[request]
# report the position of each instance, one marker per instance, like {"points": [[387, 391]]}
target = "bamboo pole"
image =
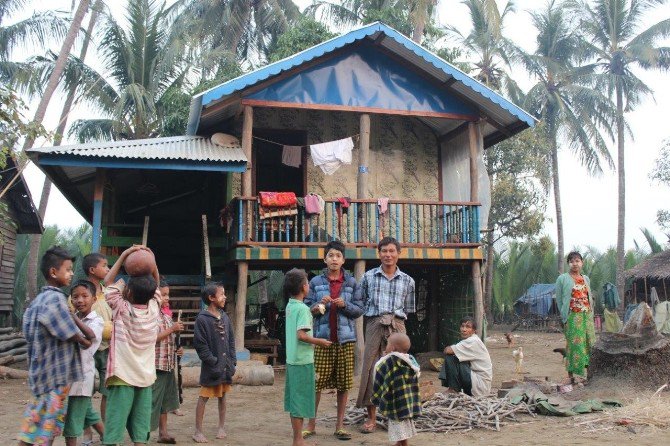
{"points": [[247, 140], [476, 145], [145, 230]]}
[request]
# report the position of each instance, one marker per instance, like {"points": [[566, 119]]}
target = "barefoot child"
{"points": [[396, 389], [214, 342], [164, 393], [54, 360], [300, 388], [131, 366], [80, 412], [96, 268]]}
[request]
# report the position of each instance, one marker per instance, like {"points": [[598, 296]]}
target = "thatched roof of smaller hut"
{"points": [[655, 267]]}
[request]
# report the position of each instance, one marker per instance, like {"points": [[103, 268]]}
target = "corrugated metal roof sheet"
{"points": [[192, 148], [492, 104]]}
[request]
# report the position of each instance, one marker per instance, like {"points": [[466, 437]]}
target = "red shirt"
{"points": [[335, 288]]}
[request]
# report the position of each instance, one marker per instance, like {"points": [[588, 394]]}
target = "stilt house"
{"points": [[419, 127]]}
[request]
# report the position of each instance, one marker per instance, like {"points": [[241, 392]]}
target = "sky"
{"points": [[589, 203]]}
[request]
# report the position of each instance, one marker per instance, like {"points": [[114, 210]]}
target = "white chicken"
{"points": [[518, 359]]}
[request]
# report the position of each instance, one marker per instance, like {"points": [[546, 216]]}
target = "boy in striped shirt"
{"points": [[131, 364]]}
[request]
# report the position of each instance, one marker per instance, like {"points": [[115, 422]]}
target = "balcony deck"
{"points": [[428, 230]]}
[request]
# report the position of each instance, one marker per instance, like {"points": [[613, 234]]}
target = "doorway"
{"points": [[269, 173]]}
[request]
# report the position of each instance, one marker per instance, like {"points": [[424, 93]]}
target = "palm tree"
{"points": [[39, 29], [218, 32], [145, 66], [615, 37], [573, 113]]}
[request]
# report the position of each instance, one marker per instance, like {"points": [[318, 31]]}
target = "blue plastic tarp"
{"points": [[364, 77], [538, 300]]}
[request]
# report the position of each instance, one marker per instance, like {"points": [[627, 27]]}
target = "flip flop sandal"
{"points": [[341, 434], [368, 428], [307, 433]]}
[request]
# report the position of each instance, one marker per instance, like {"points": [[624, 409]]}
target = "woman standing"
{"points": [[575, 302]]}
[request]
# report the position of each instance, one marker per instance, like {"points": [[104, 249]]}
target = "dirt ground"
{"points": [[255, 414]]}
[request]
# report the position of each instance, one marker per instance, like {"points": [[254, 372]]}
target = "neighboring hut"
{"points": [[537, 307], [654, 272], [419, 128], [21, 218]]}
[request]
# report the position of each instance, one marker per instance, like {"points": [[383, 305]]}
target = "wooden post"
{"points": [[433, 310], [98, 193], [665, 292], [241, 304], [363, 172], [247, 141], [476, 146], [145, 230], [359, 270], [205, 248]]}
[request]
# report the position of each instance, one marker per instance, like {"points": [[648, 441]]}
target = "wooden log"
{"points": [[7, 372], [245, 375], [21, 358], [5, 330], [10, 336], [7, 360], [15, 351], [8, 345]]}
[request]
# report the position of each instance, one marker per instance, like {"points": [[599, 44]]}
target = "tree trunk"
{"points": [[621, 214], [33, 253], [417, 32], [557, 200]]}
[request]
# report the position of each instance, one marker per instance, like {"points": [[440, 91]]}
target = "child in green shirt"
{"points": [[299, 392]]}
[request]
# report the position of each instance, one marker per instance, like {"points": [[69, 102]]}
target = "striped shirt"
{"points": [[47, 325], [165, 349], [382, 295], [132, 349]]}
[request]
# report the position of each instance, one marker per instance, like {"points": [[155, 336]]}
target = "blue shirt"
{"points": [[382, 295], [53, 361]]}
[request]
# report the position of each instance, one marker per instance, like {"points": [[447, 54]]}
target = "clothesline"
{"points": [[304, 145]]}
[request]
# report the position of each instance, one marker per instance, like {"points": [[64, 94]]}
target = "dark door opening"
{"points": [[270, 174]]}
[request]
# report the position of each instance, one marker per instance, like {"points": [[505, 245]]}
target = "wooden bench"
{"points": [[264, 345]]}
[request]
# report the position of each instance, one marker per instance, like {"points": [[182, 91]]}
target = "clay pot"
{"points": [[140, 263]]}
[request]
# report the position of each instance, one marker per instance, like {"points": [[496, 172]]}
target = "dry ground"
{"points": [[255, 415]]}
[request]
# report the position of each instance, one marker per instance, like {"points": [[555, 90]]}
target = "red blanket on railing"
{"points": [[277, 199]]}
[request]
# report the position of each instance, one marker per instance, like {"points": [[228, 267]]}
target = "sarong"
{"points": [[377, 331], [580, 335]]}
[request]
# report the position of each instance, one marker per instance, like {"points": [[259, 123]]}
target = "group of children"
{"points": [[127, 333], [396, 376]]}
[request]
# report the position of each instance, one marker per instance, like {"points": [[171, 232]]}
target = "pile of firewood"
{"points": [[454, 412], [13, 349]]}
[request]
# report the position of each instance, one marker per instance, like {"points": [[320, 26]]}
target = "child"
{"points": [[131, 367], [164, 393], [214, 342], [396, 389], [337, 291], [96, 268], [54, 359], [300, 388], [80, 412]]}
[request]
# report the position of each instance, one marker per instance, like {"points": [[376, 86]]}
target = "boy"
{"points": [[132, 354], [164, 393], [467, 365], [300, 390], [80, 412], [337, 291], [396, 389], [214, 342], [54, 360], [96, 268]]}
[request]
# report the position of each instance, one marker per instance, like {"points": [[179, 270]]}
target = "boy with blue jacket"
{"points": [[336, 302]]}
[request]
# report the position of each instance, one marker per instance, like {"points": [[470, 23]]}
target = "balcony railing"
{"points": [[421, 223]]}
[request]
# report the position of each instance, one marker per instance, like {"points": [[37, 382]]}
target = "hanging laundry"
{"points": [[342, 207], [277, 199], [329, 156], [292, 156], [383, 205], [314, 204]]}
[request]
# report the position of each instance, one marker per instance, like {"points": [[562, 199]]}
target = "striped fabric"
{"points": [[165, 349], [382, 295], [132, 352]]}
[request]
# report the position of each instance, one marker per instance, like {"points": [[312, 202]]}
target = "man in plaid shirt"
{"points": [[388, 297], [54, 360]]}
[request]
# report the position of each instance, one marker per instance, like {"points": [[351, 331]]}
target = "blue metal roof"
{"points": [[487, 101]]}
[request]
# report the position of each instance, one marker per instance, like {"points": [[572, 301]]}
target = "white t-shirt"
{"points": [[474, 351], [85, 387]]}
